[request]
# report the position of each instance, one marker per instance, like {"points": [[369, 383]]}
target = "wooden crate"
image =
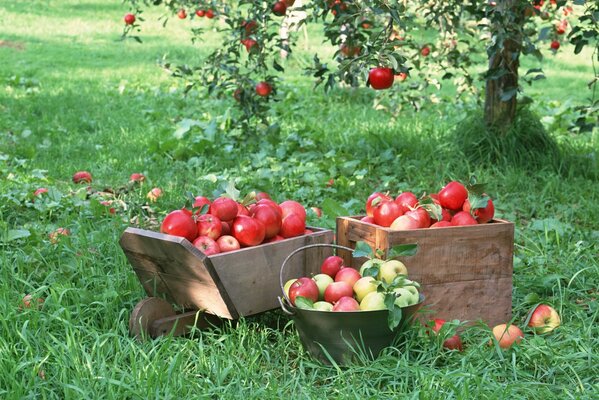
{"points": [[228, 285], [465, 271]]}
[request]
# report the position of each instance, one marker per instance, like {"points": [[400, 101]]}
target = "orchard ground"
{"points": [[74, 97]]}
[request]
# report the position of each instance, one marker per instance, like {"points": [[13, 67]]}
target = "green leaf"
{"points": [[231, 191], [14, 234], [395, 312], [402, 250], [332, 208], [363, 250], [477, 201], [372, 271], [304, 303]]}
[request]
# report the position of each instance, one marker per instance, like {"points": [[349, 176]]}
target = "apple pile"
{"points": [[453, 205], [341, 288], [229, 225]]}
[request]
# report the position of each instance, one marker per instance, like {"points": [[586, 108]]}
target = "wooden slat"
{"points": [[181, 324]]}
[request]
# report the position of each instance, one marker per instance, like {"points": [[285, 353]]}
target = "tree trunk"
{"points": [[501, 92]]}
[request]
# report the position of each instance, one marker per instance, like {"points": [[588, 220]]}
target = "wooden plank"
{"points": [[153, 284], [181, 324]]}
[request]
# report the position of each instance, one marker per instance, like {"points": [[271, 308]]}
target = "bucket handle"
{"points": [[285, 301]]}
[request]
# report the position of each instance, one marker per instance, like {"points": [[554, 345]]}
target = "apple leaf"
{"points": [[231, 191], [362, 250], [395, 312], [402, 250], [477, 201], [304, 303], [372, 271], [333, 208]]}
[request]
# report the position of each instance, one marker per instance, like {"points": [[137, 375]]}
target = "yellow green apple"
{"points": [[390, 269], [370, 263], [323, 306], [363, 286], [405, 297], [373, 301]]}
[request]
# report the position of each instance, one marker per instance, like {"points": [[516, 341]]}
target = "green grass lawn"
{"points": [[73, 97]]}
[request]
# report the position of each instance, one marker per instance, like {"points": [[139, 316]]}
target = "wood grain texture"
{"points": [[450, 264]]}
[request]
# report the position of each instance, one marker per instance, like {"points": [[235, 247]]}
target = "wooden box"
{"points": [[228, 285], [465, 271]]}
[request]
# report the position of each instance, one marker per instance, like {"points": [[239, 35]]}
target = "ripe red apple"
{"points": [[269, 217], [271, 203], [345, 304], [206, 245], [154, 194], [209, 225], [129, 19], [262, 196], [209, 14], [40, 191], [182, 14], [200, 201], [248, 231], [367, 219], [544, 319], [317, 211], [402, 76], [279, 8], [225, 228], [179, 223], [407, 201], [250, 26], [386, 212], [227, 243], [425, 51], [275, 239], [482, 215], [373, 198], [453, 196], [56, 234], [108, 204], [263, 89], [420, 215], [224, 208], [454, 342], [336, 290], [304, 287], [405, 222], [137, 177], [292, 207], [381, 78], [331, 265], [292, 225], [82, 177], [555, 45], [242, 210], [507, 336], [200, 13], [250, 44], [29, 299], [441, 224], [463, 218], [348, 275]]}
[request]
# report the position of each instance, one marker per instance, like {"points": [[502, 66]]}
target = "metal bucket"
{"points": [[343, 336]]}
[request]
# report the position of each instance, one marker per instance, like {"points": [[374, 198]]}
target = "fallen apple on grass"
{"points": [[452, 343], [82, 177], [154, 194], [543, 319], [506, 335]]}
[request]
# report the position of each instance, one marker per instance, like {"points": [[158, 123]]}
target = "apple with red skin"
{"points": [[381, 78], [420, 215], [425, 51], [179, 223], [250, 44], [405, 222], [346, 304], [250, 26], [276, 238], [308, 231], [453, 196], [206, 245], [201, 201], [224, 208], [242, 210], [331, 265], [248, 231], [441, 224], [507, 335], [348, 275], [317, 211], [200, 13], [482, 215], [182, 14], [544, 319], [292, 226], [263, 89], [262, 196], [555, 45], [367, 219], [271, 203], [386, 212], [279, 8], [154, 194], [209, 225], [402, 76], [407, 201], [82, 177], [55, 236], [373, 198], [40, 191], [129, 19], [454, 342], [225, 228], [28, 299], [336, 290], [292, 207], [209, 14], [269, 217], [463, 218], [136, 177], [227, 243], [322, 281], [304, 287]]}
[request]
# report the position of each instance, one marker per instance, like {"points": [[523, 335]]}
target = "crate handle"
{"points": [[310, 246]]}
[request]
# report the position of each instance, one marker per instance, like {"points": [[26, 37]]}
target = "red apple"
{"points": [[137, 177], [292, 207], [82, 177], [346, 304], [224, 208], [463, 218], [304, 287], [507, 336], [200, 13], [544, 319], [420, 215], [209, 14], [482, 215], [373, 198], [292, 225], [206, 245], [154, 194], [227, 243], [262, 196], [316, 211], [454, 342], [407, 201], [29, 299], [179, 223], [425, 51], [271, 203], [441, 224], [336, 290], [279, 8], [225, 228], [276, 238], [331, 265], [242, 210], [263, 89], [367, 219], [555, 45], [386, 212], [405, 222], [129, 19], [453, 196], [40, 191], [55, 235], [269, 217], [248, 231], [381, 78], [348, 275], [200, 201], [182, 14], [209, 225]]}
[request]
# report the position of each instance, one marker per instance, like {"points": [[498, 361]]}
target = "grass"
{"points": [[73, 97]]}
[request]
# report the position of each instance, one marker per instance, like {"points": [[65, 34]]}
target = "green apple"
{"points": [[364, 286], [370, 263], [405, 297], [288, 285], [412, 286], [373, 301], [390, 269], [322, 281], [323, 306]]}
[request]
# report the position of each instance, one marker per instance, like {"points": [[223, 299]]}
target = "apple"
{"points": [[405, 222], [390, 269], [227, 243], [331, 265], [209, 225], [179, 223], [441, 224], [269, 217], [276, 238], [250, 44], [209, 14], [108, 205], [405, 297], [345, 304], [224, 208], [544, 319], [182, 14], [29, 299], [452, 343], [308, 232], [200, 202], [225, 228], [263, 89], [371, 263], [555, 45], [463, 218], [154, 194], [412, 286], [425, 51], [288, 285], [304, 287], [206, 245], [248, 231], [322, 281], [364, 286], [420, 215], [262, 196], [200, 13], [349, 275], [402, 76], [136, 177], [82, 177], [367, 219], [316, 211], [323, 306], [381, 78], [292, 207], [271, 203], [373, 301], [242, 210], [373, 199], [482, 215], [453, 195], [55, 236], [279, 8], [292, 225], [336, 290], [40, 191], [407, 201], [129, 19], [386, 212], [507, 335]]}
